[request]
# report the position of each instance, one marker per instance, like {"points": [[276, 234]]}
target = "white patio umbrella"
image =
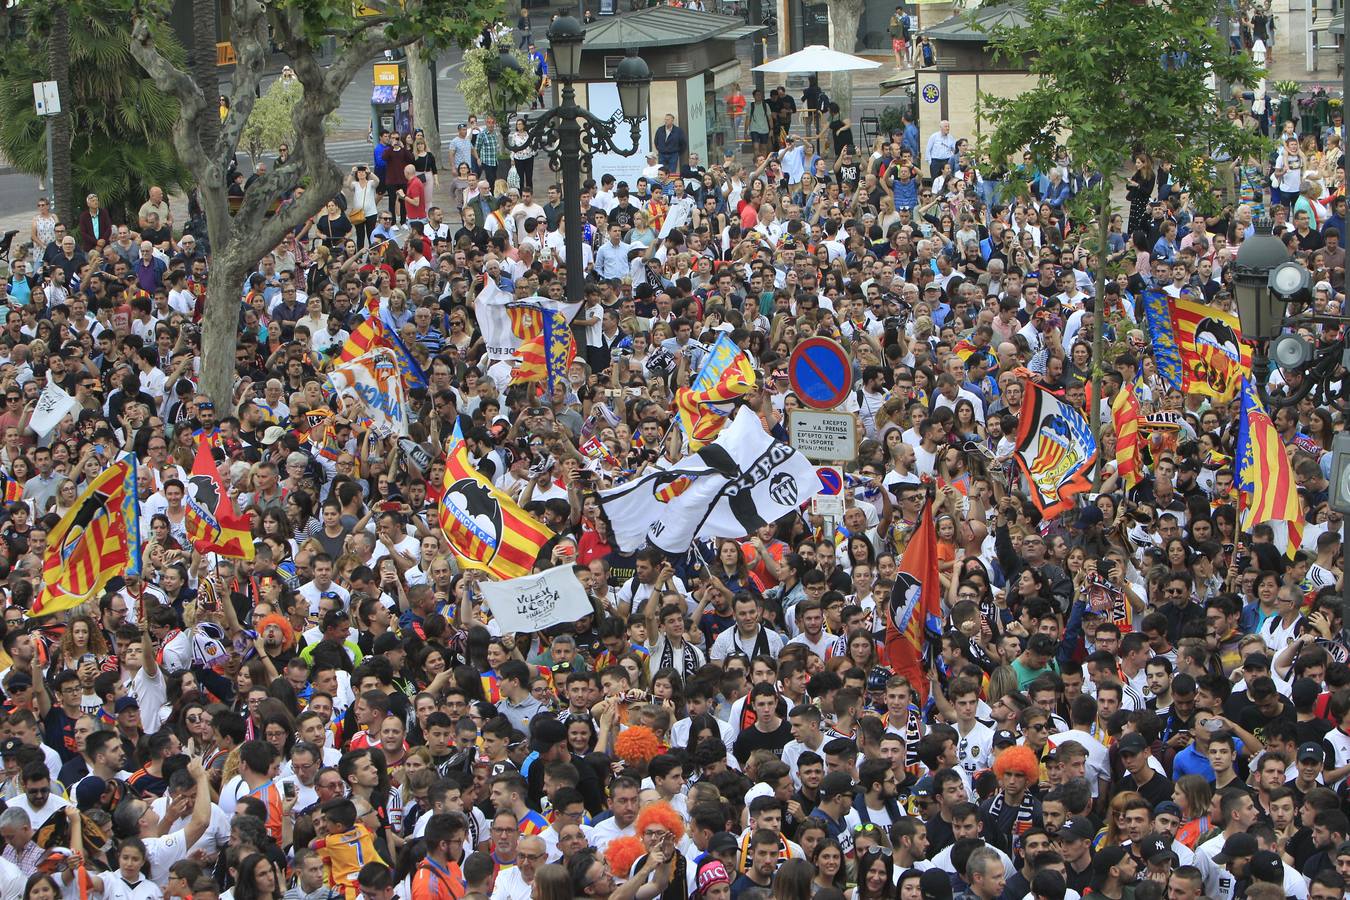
{"points": [[817, 58]]}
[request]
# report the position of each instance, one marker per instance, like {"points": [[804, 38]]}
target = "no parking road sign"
{"points": [[820, 373]]}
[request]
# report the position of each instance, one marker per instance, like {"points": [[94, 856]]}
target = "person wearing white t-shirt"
{"points": [[137, 817], [127, 883], [810, 618], [144, 680], [175, 806], [975, 740], [313, 591]]}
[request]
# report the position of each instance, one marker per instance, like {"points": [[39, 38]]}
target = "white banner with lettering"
{"points": [[534, 602]]}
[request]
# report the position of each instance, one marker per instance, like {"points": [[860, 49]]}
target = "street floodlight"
{"points": [[1291, 282]]}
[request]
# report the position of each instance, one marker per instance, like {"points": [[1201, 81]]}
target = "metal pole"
{"points": [[1220, 86], [756, 13], [51, 183], [569, 157], [435, 99], [1345, 582]]}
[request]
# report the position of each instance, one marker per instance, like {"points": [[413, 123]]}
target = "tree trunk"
{"points": [[58, 64], [204, 70], [1099, 328], [220, 322], [420, 75], [844, 18], [240, 238]]}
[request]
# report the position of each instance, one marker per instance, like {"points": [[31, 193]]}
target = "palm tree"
{"points": [[115, 134], [203, 62], [58, 66]]}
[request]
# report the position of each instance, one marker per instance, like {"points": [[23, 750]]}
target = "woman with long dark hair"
{"points": [[258, 879]]}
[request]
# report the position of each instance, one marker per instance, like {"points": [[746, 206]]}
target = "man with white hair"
{"points": [[19, 847], [941, 149], [149, 269]]}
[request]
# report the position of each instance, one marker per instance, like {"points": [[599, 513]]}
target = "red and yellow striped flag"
{"points": [[366, 335], [1214, 356], [1125, 413], [1265, 474], [547, 355], [97, 539], [700, 416], [486, 529], [13, 489], [527, 321]]}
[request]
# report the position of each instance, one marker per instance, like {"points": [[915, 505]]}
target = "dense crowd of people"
{"points": [[1135, 698]]}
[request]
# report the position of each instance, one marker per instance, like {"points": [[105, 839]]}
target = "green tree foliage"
{"points": [[327, 44], [518, 87], [1116, 77], [272, 121], [122, 124]]}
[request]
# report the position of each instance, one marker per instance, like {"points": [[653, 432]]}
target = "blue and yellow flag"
{"points": [[374, 332], [1166, 352]]}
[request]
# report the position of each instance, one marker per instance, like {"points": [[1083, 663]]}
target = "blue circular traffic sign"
{"points": [[830, 481], [820, 373]]}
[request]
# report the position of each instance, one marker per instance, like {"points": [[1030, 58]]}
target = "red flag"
{"points": [[915, 609], [211, 521]]}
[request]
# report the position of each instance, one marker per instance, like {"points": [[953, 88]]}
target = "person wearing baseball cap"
{"points": [[1310, 760], [1266, 866], [1156, 853], [836, 801], [1075, 845], [1137, 756], [1113, 869], [1236, 854]]}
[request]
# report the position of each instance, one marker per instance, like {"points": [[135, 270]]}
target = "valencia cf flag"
{"points": [[210, 518], [486, 528], [914, 613]]}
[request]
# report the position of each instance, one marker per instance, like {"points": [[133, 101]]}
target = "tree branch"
{"points": [[171, 79], [250, 50]]}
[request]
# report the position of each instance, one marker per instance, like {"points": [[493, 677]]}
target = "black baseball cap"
{"points": [[1132, 743], [1237, 845], [1078, 829], [1311, 750], [1003, 737], [1267, 866], [835, 784], [1154, 848], [1107, 858]]}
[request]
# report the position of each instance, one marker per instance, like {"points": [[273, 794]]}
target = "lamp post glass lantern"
{"points": [[635, 83], [565, 37], [1260, 310], [570, 134]]}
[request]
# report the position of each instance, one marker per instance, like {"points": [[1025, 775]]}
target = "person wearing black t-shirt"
{"points": [[1136, 755], [770, 731]]}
